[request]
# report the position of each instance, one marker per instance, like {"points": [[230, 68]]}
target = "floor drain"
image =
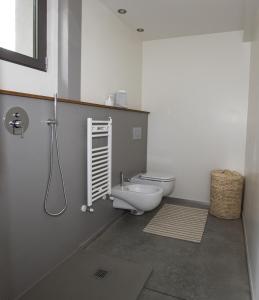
{"points": [[100, 273]]}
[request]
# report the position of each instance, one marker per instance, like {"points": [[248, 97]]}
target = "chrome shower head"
{"points": [[53, 122], [55, 106]]}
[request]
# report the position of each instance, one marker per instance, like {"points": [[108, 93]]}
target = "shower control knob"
{"points": [[17, 124], [16, 115], [16, 121]]}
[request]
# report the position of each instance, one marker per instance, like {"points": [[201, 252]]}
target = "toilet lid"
{"points": [[156, 176]]}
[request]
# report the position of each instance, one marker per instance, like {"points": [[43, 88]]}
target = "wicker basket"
{"points": [[226, 194]]}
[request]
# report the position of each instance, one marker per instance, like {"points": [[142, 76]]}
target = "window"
{"points": [[23, 32]]}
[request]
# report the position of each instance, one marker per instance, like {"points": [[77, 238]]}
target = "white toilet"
{"points": [[165, 181]]}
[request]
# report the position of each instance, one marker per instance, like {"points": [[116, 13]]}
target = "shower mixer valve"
{"points": [[16, 121], [17, 124]]}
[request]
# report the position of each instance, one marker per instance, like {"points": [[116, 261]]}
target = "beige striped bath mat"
{"points": [[180, 222]]}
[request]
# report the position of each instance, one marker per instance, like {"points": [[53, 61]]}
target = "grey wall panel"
{"points": [[31, 242], [69, 50], [74, 49]]}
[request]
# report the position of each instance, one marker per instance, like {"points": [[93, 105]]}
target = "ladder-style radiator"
{"points": [[99, 160]]}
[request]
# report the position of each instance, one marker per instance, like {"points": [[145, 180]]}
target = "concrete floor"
{"points": [[91, 276], [216, 269]]}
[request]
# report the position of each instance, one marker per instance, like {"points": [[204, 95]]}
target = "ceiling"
{"points": [[173, 18]]}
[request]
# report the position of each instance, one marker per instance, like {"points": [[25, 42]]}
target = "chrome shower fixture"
{"points": [[54, 142], [16, 121], [54, 120]]}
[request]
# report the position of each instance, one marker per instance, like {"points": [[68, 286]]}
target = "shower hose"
{"points": [[54, 140]]}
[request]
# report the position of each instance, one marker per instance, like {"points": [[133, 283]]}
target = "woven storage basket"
{"points": [[226, 194]]}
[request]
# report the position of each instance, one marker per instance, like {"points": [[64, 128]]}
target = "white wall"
{"points": [[251, 203], [27, 80], [196, 89], [111, 58], [111, 55]]}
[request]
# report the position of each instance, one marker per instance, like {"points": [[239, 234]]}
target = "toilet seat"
{"points": [[154, 176]]}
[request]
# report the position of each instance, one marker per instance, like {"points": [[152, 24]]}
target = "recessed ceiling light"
{"points": [[122, 11], [140, 30]]}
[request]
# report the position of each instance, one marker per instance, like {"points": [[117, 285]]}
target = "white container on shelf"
{"points": [[121, 98], [109, 100]]}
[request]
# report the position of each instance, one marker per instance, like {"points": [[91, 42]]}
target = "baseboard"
{"points": [[186, 202], [248, 260]]}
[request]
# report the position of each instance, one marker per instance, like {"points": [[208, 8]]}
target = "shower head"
{"points": [[54, 146], [55, 106], [53, 122]]}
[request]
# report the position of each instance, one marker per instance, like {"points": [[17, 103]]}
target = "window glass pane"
{"points": [[17, 26]]}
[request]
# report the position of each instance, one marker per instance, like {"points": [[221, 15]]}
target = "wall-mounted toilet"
{"points": [[165, 181], [136, 197], [143, 193]]}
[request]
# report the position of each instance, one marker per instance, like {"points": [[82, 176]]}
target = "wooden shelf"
{"points": [[75, 102]]}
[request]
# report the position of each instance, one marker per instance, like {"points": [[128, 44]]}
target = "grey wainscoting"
{"points": [[32, 243]]}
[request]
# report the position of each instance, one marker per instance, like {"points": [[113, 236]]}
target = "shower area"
{"points": [[43, 167], [32, 242]]}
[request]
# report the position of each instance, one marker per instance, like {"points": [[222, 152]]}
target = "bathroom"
{"points": [[175, 87]]}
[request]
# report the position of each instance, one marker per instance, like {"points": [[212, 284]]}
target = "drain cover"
{"points": [[100, 273]]}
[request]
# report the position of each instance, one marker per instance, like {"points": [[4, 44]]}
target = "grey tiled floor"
{"points": [[213, 270]]}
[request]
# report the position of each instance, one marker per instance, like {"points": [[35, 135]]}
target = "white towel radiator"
{"points": [[99, 161]]}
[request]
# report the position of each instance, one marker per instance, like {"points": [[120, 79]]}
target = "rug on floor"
{"points": [[179, 222]]}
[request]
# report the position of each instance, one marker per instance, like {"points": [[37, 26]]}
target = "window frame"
{"points": [[40, 42]]}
